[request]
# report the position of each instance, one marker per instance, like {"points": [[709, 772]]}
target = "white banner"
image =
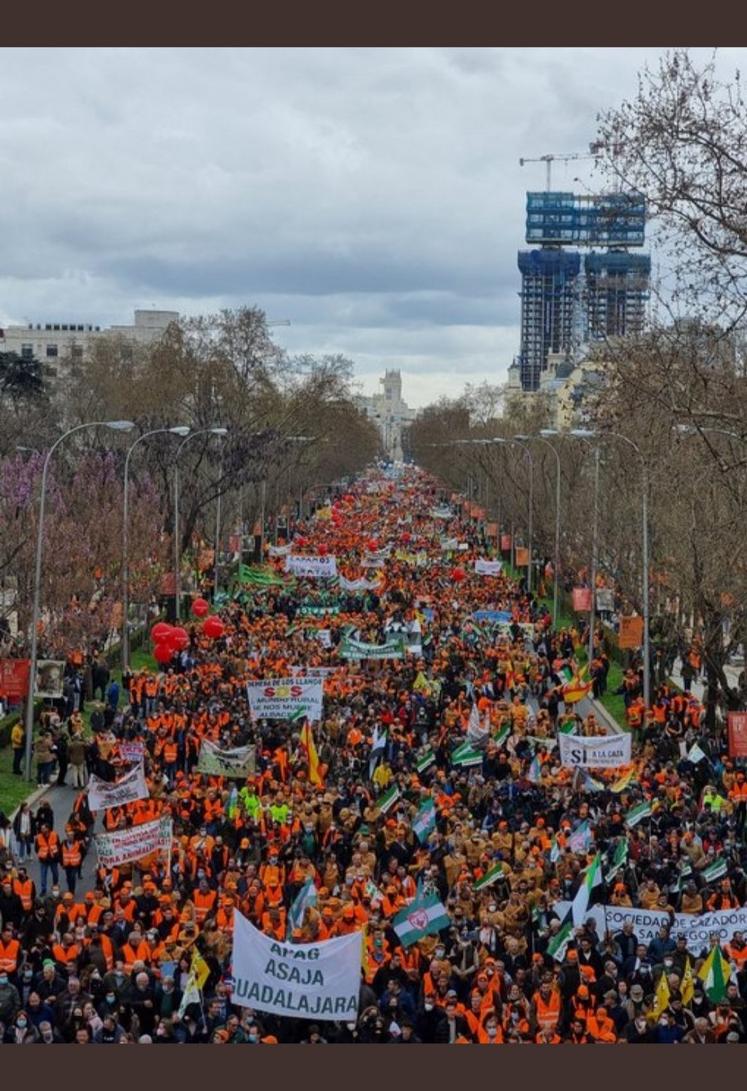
{"points": [[49, 676], [646, 923], [284, 698], [132, 751], [318, 981], [484, 567], [604, 752], [314, 567], [103, 795], [122, 846], [359, 585], [278, 551], [238, 763]]}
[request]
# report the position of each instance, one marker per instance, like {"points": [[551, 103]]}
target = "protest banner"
{"points": [[361, 584], [581, 599], [285, 699], [49, 675], [605, 600], [311, 567], [132, 751], [484, 567], [238, 763], [357, 649], [122, 846], [14, 679], [631, 632], [505, 543], [604, 752], [737, 726], [102, 794], [306, 980], [522, 557], [697, 928]]}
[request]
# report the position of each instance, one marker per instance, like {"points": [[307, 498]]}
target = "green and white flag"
{"points": [[424, 821], [637, 814], [554, 850], [716, 870], [715, 974], [378, 746], [373, 892], [558, 945], [305, 897], [422, 917], [387, 801], [592, 877], [695, 754], [466, 755], [425, 761], [502, 735], [619, 859], [489, 877], [534, 773]]}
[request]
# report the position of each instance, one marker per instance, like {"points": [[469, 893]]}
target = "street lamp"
{"points": [[179, 430], [521, 441], [117, 426], [542, 437], [177, 550], [584, 433]]}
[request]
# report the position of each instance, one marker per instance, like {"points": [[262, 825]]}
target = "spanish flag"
{"points": [[307, 742], [624, 781], [576, 689]]}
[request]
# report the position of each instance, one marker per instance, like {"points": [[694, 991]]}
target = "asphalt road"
{"points": [[61, 801]]}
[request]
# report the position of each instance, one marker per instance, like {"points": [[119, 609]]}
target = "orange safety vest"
{"points": [[47, 847], [71, 857], [9, 956], [25, 892], [203, 904], [548, 1012], [65, 954]]}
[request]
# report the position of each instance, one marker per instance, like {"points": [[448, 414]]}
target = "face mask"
{"points": [[110, 998], [3, 979], [351, 1026], [429, 1007], [21, 1023], [491, 1032], [27, 975], [252, 1037]]}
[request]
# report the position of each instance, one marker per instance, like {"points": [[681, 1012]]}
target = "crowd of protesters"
{"points": [[109, 964]]}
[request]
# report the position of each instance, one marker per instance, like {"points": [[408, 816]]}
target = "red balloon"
{"points": [[372, 544], [163, 653], [213, 627], [406, 536], [160, 632], [200, 607], [458, 574], [323, 550], [300, 542], [178, 638]]}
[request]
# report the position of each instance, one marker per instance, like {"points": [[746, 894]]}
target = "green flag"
{"points": [[422, 917], [558, 945], [619, 859], [387, 801], [489, 877], [592, 877], [465, 755], [715, 974], [716, 870], [425, 761], [638, 813]]}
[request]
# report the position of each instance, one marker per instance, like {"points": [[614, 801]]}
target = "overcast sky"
{"points": [[372, 197]]}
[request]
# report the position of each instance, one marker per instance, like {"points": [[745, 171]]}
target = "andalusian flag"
{"points": [[305, 897], [592, 877], [715, 973], [567, 727], [489, 877], [637, 814], [466, 755], [260, 577], [502, 735], [716, 870], [624, 781], [580, 839], [661, 997], [590, 783], [534, 773], [387, 801], [423, 762], [558, 945], [619, 860], [554, 850], [576, 689], [424, 821], [372, 891], [422, 917], [307, 741]]}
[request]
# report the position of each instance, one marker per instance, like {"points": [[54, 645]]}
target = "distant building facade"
{"points": [[389, 413], [58, 343]]}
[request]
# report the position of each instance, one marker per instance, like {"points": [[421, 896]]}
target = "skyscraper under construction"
{"points": [[560, 307]]}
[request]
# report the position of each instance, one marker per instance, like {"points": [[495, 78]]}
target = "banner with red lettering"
{"points": [[14, 679]]}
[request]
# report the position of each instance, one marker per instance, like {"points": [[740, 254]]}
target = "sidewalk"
{"points": [[697, 688]]}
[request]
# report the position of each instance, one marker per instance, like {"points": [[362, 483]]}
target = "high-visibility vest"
{"points": [[203, 904], [25, 892], [9, 955], [71, 856], [47, 846], [548, 1012], [65, 954]]}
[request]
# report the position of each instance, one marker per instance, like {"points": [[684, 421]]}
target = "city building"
{"points": [[567, 305], [56, 343], [389, 412]]}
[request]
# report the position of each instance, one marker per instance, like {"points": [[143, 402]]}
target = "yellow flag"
{"points": [[200, 970], [687, 987], [661, 999], [307, 741]]}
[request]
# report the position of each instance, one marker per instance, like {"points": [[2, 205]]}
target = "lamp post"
{"points": [[117, 426], [542, 437], [179, 430], [584, 433], [520, 441], [177, 550]]}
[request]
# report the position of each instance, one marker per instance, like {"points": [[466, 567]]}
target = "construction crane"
{"points": [[550, 159]]}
